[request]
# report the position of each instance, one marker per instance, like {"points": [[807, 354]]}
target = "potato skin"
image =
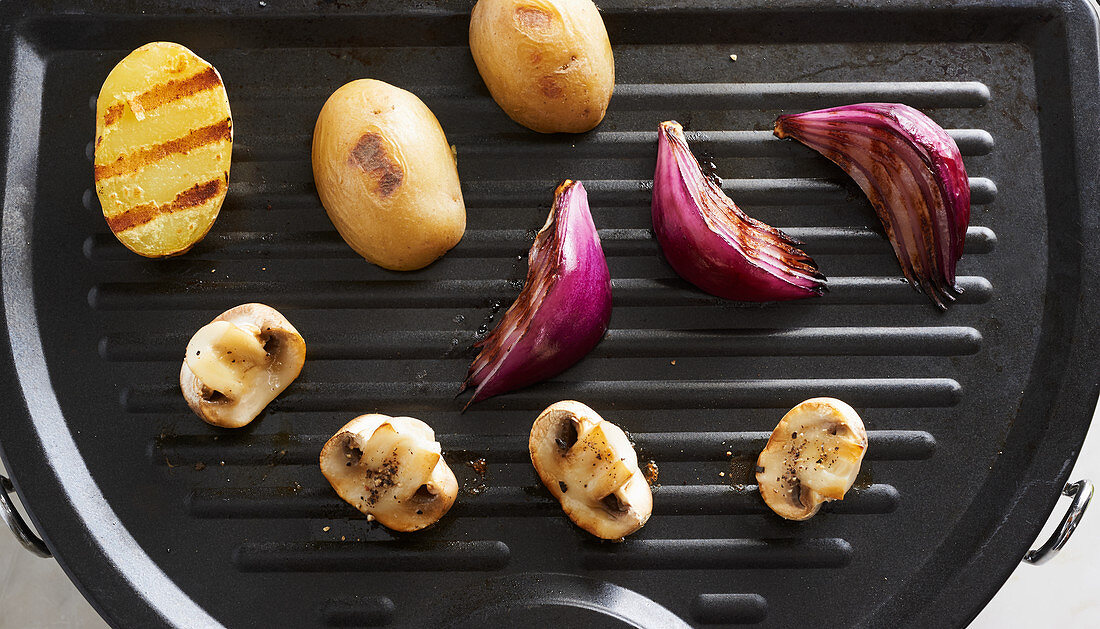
{"points": [[386, 175], [547, 63], [164, 139]]}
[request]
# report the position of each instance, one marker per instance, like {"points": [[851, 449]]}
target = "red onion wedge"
{"points": [[913, 174], [711, 243], [562, 311]]}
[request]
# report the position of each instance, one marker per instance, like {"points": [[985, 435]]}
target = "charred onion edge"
{"points": [[546, 270], [882, 145], [758, 244]]}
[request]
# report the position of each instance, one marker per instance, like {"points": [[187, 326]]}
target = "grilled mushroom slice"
{"points": [[813, 456], [589, 465], [239, 362], [391, 469]]}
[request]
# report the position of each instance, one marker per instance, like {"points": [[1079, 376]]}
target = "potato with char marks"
{"points": [[547, 63], [386, 175], [164, 138]]}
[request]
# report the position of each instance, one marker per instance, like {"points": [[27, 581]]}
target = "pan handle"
{"points": [[17, 524], [1081, 491]]}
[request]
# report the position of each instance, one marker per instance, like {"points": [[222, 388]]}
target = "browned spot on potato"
{"points": [[191, 197], [370, 155], [550, 88], [533, 19]]}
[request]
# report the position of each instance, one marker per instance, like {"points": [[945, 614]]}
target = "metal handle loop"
{"points": [[1081, 491], [15, 522]]}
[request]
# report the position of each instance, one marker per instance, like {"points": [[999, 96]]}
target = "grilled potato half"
{"points": [[164, 135]]}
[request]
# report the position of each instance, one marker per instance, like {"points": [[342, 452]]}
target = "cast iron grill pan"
{"points": [[974, 416]]}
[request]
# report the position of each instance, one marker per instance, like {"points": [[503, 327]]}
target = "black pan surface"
{"points": [[975, 416]]}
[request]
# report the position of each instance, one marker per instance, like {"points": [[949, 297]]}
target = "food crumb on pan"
{"points": [[477, 465]]}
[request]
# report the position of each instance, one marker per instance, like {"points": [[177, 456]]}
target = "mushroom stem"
{"points": [[221, 354]]}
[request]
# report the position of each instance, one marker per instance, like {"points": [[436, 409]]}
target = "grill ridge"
{"points": [[431, 344], [350, 397], [303, 449], [512, 502]]}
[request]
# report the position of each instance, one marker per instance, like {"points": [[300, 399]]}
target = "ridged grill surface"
{"points": [[698, 382]]}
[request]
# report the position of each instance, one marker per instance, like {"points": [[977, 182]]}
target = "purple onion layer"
{"points": [[561, 313], [711, 243], [913, 174]]}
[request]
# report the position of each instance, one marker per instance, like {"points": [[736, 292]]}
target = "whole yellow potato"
{"points": [[387, 176], [163, 143], [547, 63]]}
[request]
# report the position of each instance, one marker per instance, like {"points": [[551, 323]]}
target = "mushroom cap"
{"points": [[391, 469], [813, 456], [285, 354], [588, 464]]}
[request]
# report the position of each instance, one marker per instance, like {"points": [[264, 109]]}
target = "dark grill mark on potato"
{"points": [[197, 138], [371, 156], [141, 214], [113, 113], [164, 93]]}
